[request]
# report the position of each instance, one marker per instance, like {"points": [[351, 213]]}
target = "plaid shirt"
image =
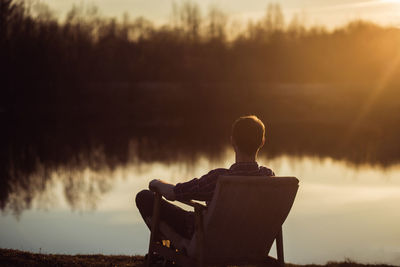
{"points": [[203, 188]]}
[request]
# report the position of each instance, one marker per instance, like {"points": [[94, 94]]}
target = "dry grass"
{"points": [[10, 257]]}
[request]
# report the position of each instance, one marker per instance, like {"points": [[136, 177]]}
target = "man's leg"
{"points": [[179, 220]]}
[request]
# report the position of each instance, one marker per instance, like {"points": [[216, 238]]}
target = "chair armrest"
{"points": [[186, 202], [193, 204]]}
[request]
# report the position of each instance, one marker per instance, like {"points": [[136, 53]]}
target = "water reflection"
{"points": [[170, 123], [346, 206], [341, 211], [81, 187], [31, 163]]}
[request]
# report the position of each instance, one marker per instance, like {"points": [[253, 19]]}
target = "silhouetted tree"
{"points": [[216, 28]]}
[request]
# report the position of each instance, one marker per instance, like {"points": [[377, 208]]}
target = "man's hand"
{"points": [[153, 185], [165, 189]]}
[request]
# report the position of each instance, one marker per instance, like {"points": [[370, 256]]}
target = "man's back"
{"points": [[203, 188]]}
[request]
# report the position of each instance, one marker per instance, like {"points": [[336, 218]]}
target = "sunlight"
{"points": [[392, 4], [379, 88]]}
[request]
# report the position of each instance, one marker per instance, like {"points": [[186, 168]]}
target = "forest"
{"points": [[193, 47], [76, 64]]}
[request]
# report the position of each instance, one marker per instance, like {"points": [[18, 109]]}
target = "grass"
{"points": [[11, 257]]}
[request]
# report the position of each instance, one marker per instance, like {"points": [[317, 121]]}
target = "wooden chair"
{"points": [[239, 226]]}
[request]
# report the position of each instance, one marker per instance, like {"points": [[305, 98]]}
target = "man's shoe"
{"points": [[156, 260]]}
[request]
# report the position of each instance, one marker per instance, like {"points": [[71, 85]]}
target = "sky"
{"points": [[330, 13]]}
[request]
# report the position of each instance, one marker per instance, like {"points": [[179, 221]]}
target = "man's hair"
{"points": [[248, 134]]}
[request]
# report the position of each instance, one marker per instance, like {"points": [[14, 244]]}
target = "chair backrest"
{"points": [[245, 215]]}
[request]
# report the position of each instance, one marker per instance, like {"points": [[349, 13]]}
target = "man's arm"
{"points": [[198, 188], [164, 188]]}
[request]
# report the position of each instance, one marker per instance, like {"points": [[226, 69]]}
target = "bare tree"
{"points": [[296, 27], [187, 18], [274, 19], [217, 20]]}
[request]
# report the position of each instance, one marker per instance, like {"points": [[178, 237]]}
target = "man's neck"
{"points": [[239, 157]]}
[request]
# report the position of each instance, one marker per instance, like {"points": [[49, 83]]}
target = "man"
{"points": [[248, 136]]}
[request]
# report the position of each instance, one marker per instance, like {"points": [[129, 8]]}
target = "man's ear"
{"points": [[263, 142]]}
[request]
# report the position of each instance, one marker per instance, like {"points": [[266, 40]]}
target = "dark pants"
{"points": [[179, 220]]}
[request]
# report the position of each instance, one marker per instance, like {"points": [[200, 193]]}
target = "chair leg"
{"points": [[279, 248], [199, 235], [155, 219]]}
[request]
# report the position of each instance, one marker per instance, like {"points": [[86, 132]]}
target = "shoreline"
{"points": [[12, 257]]}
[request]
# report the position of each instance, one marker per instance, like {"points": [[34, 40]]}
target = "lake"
{"points": [[342, 210], [72, 162]]}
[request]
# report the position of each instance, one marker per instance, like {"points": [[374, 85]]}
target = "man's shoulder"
{"points": [[218, 171], [260, 171], [265, 171]]}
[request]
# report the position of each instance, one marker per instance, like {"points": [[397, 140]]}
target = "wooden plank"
{"points": [[192, 203], [279, 248], [198, 209]]}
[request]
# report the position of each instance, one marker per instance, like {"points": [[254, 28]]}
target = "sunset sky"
{"points": [[327, 12]]}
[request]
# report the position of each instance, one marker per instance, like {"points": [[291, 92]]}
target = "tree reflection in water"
{"points": [[82, 162], [180, 124], [83, 168], [83, 182]]}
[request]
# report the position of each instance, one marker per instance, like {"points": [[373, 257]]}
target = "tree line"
{"points": [[87, 47]]}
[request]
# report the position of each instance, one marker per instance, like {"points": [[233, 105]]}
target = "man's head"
{"points": [[248, 135]]}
